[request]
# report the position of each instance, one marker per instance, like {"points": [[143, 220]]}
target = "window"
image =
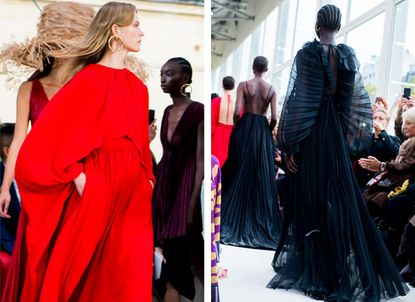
{"points": [[245, 63], [304, 30], [285, 34], [270, 36], [402, 67], [367, 42], [280, 83], [359, 7], [257, 40]]}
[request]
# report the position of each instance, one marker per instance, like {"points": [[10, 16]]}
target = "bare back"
{"points": [[257, 96]]}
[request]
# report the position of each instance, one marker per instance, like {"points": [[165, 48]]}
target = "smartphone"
{"points": [[151, 114], [406, 93]]}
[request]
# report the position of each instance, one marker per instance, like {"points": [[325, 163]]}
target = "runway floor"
{"points": [[249, 271]]}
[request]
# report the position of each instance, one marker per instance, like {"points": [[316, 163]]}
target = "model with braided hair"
{"points": [[176, 202], [330, 248]]}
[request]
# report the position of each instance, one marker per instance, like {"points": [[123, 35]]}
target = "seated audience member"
{"points": [[392, 190], [403, 105], [383, 146]]}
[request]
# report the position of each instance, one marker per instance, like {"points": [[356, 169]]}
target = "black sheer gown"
{"points": [[329, 247], [249, 211]]}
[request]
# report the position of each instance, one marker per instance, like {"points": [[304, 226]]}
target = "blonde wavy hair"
{"points": [[61, 25], [94, 45]]}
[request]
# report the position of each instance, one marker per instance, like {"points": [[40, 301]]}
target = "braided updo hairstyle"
{"points": [[185, 65], [328, 17]]}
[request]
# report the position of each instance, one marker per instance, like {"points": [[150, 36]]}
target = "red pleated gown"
{"points": [[97, 247]]}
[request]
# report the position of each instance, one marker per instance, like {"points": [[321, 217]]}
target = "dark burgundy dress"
{"points": [[175, 178]]}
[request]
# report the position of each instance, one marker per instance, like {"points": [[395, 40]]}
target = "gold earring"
{"points": [[183, 89], [317, 28], [110, 46]]}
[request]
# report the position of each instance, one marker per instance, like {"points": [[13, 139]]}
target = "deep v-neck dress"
{"points": [[175, 180], [175, 173], [38, 100]]}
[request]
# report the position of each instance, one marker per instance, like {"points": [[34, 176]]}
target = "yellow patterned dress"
{"points": [[216, 186]]}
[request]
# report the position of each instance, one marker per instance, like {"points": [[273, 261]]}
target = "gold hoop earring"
{"points": [[110, 46], [317, 28], [183, 89]]}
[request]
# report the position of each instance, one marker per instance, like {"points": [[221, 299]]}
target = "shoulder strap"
{"points": [[269, 90], [249, 97]]}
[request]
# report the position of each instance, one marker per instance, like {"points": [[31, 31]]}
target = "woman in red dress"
{"points": [[222, 120], [84, 172]]}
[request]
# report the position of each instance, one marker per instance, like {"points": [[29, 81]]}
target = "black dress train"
{"points": [[250, 215], [329, 247]]}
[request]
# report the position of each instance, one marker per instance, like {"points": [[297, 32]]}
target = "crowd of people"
{"points": [[86, 215], [341, 221]]}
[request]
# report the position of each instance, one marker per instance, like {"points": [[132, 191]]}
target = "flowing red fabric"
{"points": [[220, 133], [97, 247]]}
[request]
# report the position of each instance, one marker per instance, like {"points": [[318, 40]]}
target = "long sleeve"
{"points": [[302, 101], [390, 143], [69, 128], [405, 161]]}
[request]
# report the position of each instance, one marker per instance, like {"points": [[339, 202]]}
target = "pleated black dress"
{"points": [[329, 247], [250, 214]]}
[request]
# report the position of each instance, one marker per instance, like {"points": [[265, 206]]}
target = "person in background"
{"points": [[8, 225], [380, 104], [250, 215], [393, 188], [222, 120], [383, 146], [403, 105]]}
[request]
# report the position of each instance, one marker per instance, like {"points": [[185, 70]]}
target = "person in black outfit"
{"points": [[383, 146], [250, 214], [8, 226], [330, 248]]}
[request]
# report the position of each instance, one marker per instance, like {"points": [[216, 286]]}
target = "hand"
{"points": [[80, 183], [4, 203], [402, 103], [277, 158], [291, 165], [151, 183], [371, 164], [159, 251], [223, 273], [410, 103], [152, 130], [378, 127]]}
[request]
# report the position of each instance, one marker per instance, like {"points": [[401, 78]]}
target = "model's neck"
{"points": [[179, 100], [114, 59], [327, 38]]}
